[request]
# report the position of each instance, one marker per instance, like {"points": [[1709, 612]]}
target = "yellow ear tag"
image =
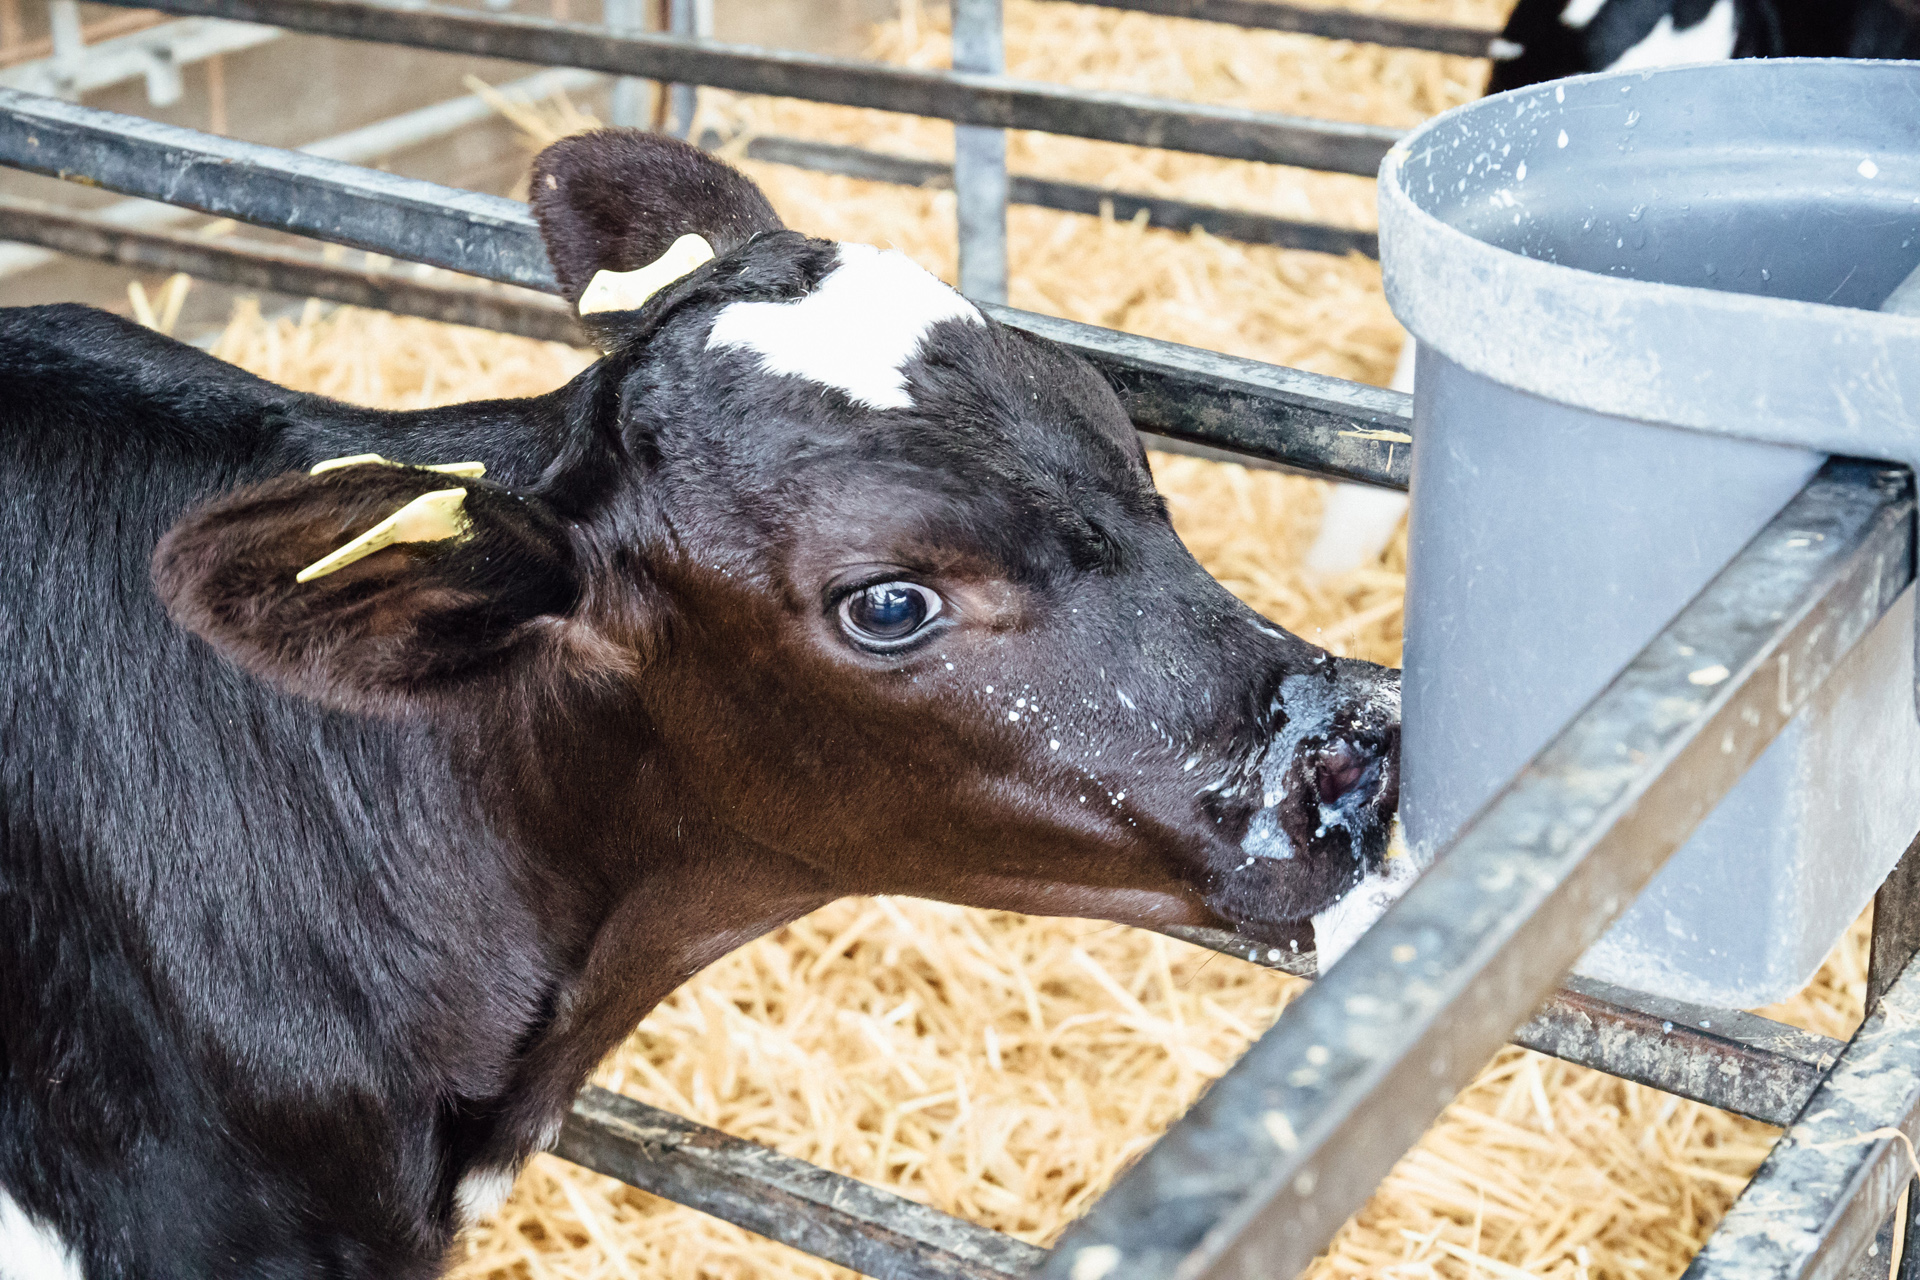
{"points": [[431, 517], [629, 290], [465, 470]]}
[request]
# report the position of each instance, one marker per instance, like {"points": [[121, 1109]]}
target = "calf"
{"points": [[1558, 38], [350, 812]]}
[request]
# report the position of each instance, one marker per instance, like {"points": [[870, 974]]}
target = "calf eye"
{"points": [[888, 614]]}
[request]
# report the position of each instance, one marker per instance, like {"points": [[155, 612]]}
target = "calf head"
{"points": [[887, 585]]}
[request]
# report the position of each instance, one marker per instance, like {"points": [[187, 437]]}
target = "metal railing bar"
{"points": [[823, 1213], [1068, 197], [292, 191], [1822, 1195], [980, 158], [1259, 1175], [1333, 24], [976, 98], [1303, 421], [358, 146], [295, 272], [1726, 1058], [130, 57]]}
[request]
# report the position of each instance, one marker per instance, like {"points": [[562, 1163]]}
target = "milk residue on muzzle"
{"points": [[1321, 710], [1312, 706]]}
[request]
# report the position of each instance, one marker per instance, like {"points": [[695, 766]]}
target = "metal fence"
{"points": [[975, 95], [1259, 1175]]}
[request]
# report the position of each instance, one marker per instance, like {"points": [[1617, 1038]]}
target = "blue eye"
{"points": [[887, 614]]}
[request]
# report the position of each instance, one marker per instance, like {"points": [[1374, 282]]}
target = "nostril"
{"points": [[1341, 768]]}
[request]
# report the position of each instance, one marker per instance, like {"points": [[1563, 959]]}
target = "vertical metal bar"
{"points": [[217, 94], [1896, 937], [628, 108], [69, 44], [683, 100], [980, 159]]}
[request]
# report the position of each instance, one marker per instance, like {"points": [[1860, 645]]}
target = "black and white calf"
{"points": [[351, 811], [1557, 38]]}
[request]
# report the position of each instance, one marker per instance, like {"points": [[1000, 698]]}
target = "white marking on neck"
{"points": [[31, 1250], [1708, 40], [481, 1192], [855, 331], [1579, 13]]}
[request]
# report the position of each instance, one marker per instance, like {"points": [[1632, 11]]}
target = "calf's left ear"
{"points": [[616, 200], [284, 579]]}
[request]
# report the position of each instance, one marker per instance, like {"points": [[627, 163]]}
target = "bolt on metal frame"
{"points": [[1261, 1173]]}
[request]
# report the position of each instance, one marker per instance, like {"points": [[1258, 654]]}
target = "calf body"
{"points": [[1570, 37], [319, 899]]}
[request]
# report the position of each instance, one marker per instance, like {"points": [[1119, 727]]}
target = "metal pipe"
{"points": [[297, 273], [1259, 1175], [627, 106], [825, 1214], [1726, 1058], [980, 159], [683, 100], [962, 96], [1819, 1199], [384, 137], [1334, 24], [1070, 197]]}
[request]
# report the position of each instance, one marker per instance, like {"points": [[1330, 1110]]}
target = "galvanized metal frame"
{"points": [[1259, 1175]]}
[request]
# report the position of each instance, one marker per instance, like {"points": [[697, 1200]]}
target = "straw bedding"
{"points": [[1007, 1068]]}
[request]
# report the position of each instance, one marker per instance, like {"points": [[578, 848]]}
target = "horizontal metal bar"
{"points": [[271, 187], [1334, 24], [1259, 1175], [369, 142], [1726, 1058], [1303, 421], [822, 1213], [1070, 197], [964, 97], [1821, 1196], [297, 273], [129, 57]]}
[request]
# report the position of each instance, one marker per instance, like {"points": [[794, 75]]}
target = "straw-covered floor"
{"points": [[1006, 1068]]}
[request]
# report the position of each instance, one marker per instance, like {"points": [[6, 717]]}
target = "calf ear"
{"points": [[618, 199], [376, 632]]}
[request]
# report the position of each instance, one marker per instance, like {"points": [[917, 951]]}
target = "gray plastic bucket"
{"points": [[1646, 309]]}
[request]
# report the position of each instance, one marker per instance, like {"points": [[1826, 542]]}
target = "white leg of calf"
{"points": [[1359, 522], [481, 1192], [30, 1250]]}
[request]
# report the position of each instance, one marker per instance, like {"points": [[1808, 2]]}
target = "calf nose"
{"points": [[1341, 767]]}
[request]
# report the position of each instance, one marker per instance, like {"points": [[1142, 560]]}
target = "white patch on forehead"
{"points": [[30, 1250], [855, 331], [1708, 40], [481, 1192]]}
